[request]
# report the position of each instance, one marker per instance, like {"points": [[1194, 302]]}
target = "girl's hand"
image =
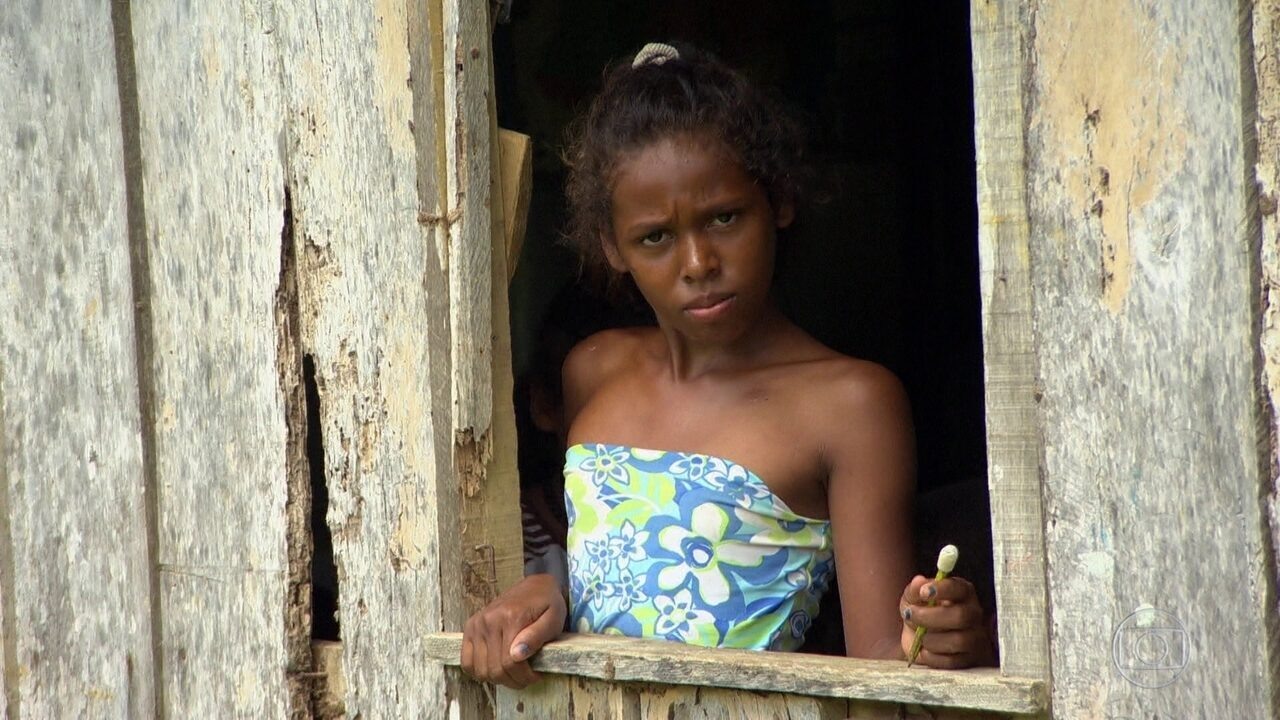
{"points": [[957, 636], [498, 641]]}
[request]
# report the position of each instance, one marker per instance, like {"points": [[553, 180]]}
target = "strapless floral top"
{"points": [[688, 547]]}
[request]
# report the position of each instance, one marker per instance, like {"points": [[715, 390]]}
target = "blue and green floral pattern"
{"points": [[688, 547]]}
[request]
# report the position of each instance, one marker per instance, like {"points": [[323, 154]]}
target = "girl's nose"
{"points": [[700, 260]]}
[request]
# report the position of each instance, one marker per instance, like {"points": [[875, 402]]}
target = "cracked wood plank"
{"points": [[74, 580], [373, 292], [208, 87]]}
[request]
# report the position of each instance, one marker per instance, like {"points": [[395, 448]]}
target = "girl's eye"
{"points": [[654, 238], [724, 218]]}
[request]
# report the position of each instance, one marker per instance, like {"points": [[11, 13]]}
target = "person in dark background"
{"points": [[682, 172]]}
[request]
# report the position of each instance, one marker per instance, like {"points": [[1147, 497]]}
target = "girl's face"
{"points": [[696, 233]]}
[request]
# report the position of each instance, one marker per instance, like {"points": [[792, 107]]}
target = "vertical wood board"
{"points": [[1014, 442], [369, 279], [73, 553], [1266, 93], [208, 84], [1142, 276], [484, 420]]}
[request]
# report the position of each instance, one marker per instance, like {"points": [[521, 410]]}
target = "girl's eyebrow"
{"points": [[645, 224]]}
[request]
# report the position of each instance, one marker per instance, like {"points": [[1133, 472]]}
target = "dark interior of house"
{"points": [[886, 270]]}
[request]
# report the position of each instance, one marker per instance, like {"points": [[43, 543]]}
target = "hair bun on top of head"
{"points": [[655, 54]]}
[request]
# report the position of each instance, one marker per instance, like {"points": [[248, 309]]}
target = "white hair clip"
{"points": [[655, 54]]}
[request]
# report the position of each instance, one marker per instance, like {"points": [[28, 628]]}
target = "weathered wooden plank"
{"points": [[548, 700], [1143, 295], [74, 588], [214, 195], [597, 699], [1266, 67], [630, 659], [707, 703], [517, 190], [371, 278], [483, 418], [329, 697], [1014, 445]]}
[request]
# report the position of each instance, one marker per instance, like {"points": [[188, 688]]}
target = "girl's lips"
{"points": [[709, 308]]}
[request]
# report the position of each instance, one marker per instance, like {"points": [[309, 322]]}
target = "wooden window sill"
{"points": [[656, 661]]}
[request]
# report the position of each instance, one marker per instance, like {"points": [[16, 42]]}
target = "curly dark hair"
{"points": [[694, 93]]}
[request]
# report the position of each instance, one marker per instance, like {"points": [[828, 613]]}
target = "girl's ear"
{"points": [[612, 255], [785, 214]]}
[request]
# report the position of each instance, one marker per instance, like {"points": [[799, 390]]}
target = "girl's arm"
{"points": [[870, 451], [869, 497]]}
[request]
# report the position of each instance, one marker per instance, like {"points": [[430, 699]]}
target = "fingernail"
{"points": [[906, 613], [520, 651], [930, 591]]}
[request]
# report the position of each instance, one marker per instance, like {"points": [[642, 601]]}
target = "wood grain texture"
{"points": [[1142, 266], [633, 660], [208, 90], [517, 190], [368, 271], [1266, 68], [467, 82], [483, 417], [1014, 442], [74, 574]]}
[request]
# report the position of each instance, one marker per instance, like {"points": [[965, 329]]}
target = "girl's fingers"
{"points": [[467, 655], [954, 589], [957, 642], [496, 650], [911, 594], [943, 617], [944, 661]]}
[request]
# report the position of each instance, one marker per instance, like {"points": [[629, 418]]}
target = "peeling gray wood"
{"points": [[208, 85], [467, 82], [484, 419], [73, 564], [634, 660], [1143, 292], [1014, 444], [1266, 57], [368, 270]]}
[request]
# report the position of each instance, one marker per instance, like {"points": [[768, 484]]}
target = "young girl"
{"points": [[723, 465]]}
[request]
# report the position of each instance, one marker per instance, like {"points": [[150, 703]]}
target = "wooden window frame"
{"points": [[1015, 448]]}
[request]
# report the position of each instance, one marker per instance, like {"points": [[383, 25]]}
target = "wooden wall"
{"points": [[1133, 164], [207, 197], [201, 198]]}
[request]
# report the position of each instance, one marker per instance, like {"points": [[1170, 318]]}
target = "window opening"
{"points": [[886, 271]]}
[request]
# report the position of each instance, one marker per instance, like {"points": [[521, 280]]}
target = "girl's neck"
{"points": [[688, 359]]}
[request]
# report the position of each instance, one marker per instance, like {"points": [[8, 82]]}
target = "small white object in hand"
{"points": [[947, 558], [656, 54]]}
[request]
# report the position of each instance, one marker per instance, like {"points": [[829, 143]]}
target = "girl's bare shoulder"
{"points": [[838, 386], [604, 356]]}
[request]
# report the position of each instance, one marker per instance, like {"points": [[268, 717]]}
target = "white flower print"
{"points": [[703, 551], [691, 466], [677, 616], [601, 554], [734, 481], [628, 544], [607, 463], [628, 590]]}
